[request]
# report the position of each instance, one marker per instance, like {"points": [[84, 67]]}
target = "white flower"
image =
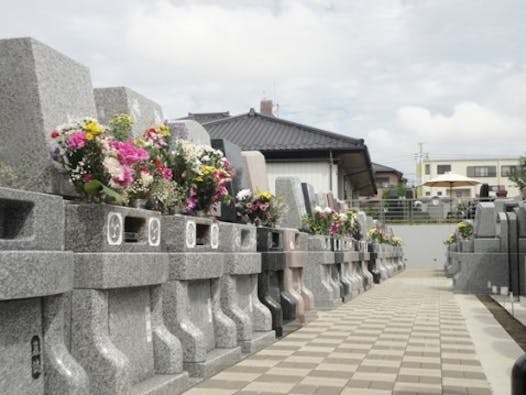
{"points": [[244, 194], [317, 209], [327, 210], [146, 178], [113, 166]]}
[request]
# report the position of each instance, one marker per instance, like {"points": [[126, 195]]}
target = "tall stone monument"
{"points": [[40, 88]]}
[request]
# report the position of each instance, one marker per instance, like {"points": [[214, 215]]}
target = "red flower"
{"points": [[54, 134]]}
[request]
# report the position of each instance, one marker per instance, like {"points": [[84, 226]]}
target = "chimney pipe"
{"points": [[265, 108]]}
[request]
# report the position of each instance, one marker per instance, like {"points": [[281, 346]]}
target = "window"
{"points": [[427, 170], [428, 193], [443, 169], [439, 193], [506, 171], [382, 182], [482, 171]]}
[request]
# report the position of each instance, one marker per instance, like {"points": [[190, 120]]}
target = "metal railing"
{"points": [[422, 210]]}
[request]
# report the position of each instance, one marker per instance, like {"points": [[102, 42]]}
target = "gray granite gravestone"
{"points": [[40, 88], [318, 273], [117, 329], [321, 199], [239, 287], [331, 201], [289, 188], [35, 273], [310, 197], [255, 169], [227, 212], [121, 100], [188, 129], [192, 295]]}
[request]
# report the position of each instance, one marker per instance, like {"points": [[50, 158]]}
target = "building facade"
{"points": [[492, 171]]}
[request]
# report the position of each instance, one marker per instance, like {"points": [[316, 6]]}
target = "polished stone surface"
{"points": [[40, 88], [255, 169], [122, 100]]}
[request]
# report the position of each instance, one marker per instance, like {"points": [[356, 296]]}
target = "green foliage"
{"points": [[121, 126], [395, 192], [519, 178]]}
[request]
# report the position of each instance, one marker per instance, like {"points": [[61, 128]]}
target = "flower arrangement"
{"points": [[465, 229], [121, 126], [396, 241], [451, 239], [377, 235], [351, 226], [319, 222], [202, 174], [260, 208], [98, 165]]}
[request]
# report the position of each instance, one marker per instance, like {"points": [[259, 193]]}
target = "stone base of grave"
{"points": [[310, 316], [259, 341], [477, 269], [162, 385], [216, 360]]}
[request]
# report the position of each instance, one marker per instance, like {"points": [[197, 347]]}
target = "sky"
{"points": [[448, 74]]}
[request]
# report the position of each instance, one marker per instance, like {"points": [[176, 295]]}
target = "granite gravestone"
{"points": [[40, 88], [35, 274], [318, 272], [310, 197], [256, 170], [188, 129], [192, 295], [227, 212], [321, 199], [289, 188], [117, 329], [121, 100], [239, 287]]}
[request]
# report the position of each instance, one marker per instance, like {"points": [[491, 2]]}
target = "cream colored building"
{"points": [[492, 171]]}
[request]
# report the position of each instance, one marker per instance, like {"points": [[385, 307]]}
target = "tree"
{"points": [[519, 178], [394, 191]]}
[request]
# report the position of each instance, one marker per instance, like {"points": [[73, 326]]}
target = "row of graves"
{"points": [[486, 255], [126, 264]]}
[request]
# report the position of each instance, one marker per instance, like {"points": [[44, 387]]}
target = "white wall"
{"points": [[314, 173], [423, 244]]}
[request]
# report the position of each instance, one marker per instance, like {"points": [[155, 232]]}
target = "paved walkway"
{"points": [[405, 336]]}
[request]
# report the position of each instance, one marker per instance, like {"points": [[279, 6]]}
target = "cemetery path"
{"points": [[408, 335]]}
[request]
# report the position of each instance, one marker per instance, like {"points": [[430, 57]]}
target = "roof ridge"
{"points": [[308, 128]]}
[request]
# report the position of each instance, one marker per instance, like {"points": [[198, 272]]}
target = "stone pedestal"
{"points": [[295, 247], [342, 258], [192, 295], [271, 291], [372, 266], [365, 258], [318, 273], [381, 261], [239, 287], [35, 273], [117, 329], [355, 273]]}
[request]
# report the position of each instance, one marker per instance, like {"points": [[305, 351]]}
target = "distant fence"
{"points": [[424, 210]]}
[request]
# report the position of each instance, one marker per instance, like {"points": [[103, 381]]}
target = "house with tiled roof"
{"points": [[328, 161], [386, 177]]}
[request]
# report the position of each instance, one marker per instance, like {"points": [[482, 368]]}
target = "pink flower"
{"points": [[87, 178], [166, 172], [77, 140], [128, 152], [264, 206], [54, 134]]}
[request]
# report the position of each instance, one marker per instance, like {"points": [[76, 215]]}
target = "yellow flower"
{"points": [[207, 170], [165, 131], [89, 136], [264, 195], [93, 128]]}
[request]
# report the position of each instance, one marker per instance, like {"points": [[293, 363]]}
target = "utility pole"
{"points": [[419, 157]]}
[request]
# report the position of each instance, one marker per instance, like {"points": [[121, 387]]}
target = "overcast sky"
{"points": [[449, 74]]}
